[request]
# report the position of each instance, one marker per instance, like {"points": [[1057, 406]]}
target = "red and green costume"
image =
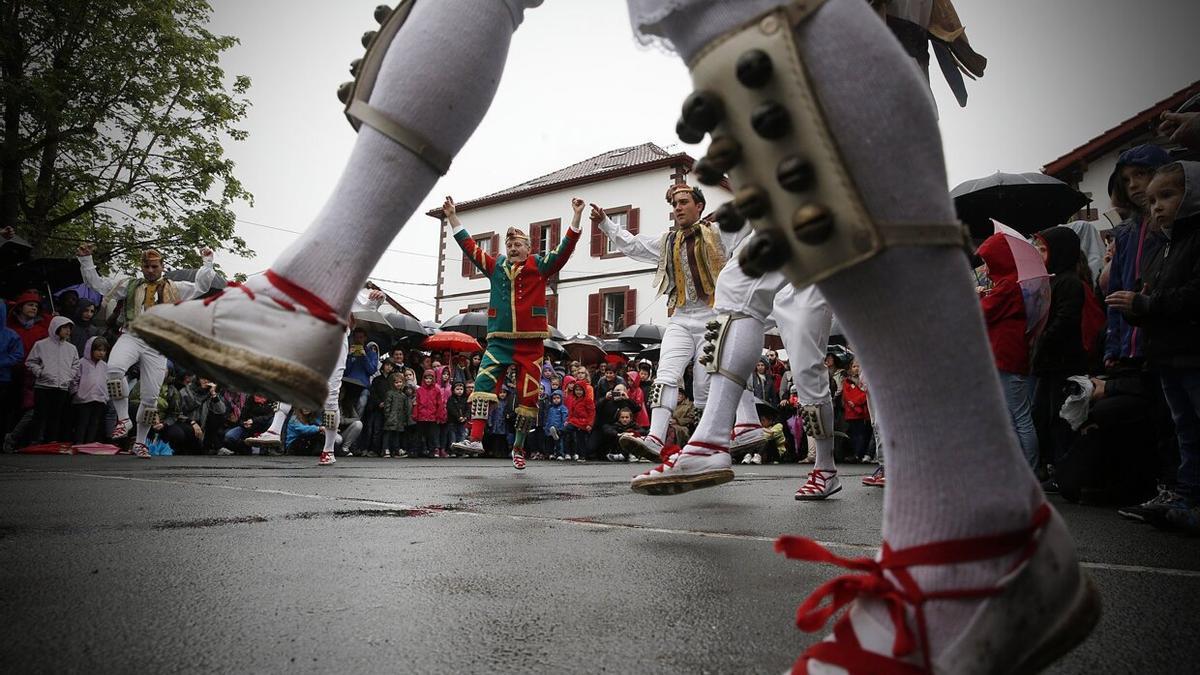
{"points": [[516, 327]]}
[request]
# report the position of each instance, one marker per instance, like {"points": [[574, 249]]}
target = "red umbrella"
{"points": [[452, 341], [615, 359]]}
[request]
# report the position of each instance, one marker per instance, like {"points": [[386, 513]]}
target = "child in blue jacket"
{"points": [[556, 424]]}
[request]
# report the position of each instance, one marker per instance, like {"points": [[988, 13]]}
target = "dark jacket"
{"points": [[1059, 351], [457, 408], [397, 410], [1170, 311]]}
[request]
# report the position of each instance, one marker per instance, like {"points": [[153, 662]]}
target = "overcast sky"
{"points": [[1059, 73]]}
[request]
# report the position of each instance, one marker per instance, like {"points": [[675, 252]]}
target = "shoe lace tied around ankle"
{"points": [[875, 580], [315, 306]]}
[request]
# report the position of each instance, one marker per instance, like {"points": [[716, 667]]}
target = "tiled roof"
{"points": [[1114, 137], [614, 162]]}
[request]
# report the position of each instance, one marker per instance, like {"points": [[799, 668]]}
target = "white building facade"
{"points": [[599, 291]]}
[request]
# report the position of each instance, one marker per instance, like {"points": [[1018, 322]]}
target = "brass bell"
{"points": [[729, 218], [343, 91], [707, 173], [708, 349], [382, 12], [724, 153], [705, 360], [770, 120], [687, 134], [812, 224], [710, 335], [703, 110], [752, 202], [754, 68], [354, 66], [796, 174], [367, 37], [766, 252], [713, 325]]}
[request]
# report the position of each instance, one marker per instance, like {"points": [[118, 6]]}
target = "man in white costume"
{"points": [[138, 294]]}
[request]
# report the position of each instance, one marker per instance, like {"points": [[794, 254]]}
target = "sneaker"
{"points": [[756, 458], [876, 479], [121, 429], [821, 483], [695, 466], [559, 458], [387, 454], [1038, 611], [647, 447], [400, 454], [469, 447], [326, 459], [251, 342], [518, 459], [224, 452], [575, 457], [1143, 512], [140, 451], [267, 438], [1186, 518], [746, 458], [633, 459]]}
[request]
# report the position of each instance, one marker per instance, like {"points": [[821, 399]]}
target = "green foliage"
{"points": [[115, 112]]}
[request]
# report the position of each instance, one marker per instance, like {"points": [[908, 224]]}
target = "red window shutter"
{"points": [[552, 310], [467, 267], [465, 310], [535, 237], [630, 307], [597, 242], [594, 314], [556, 233], [633, 220], [495, 244]]}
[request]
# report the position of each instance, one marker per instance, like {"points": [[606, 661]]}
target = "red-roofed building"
{"points": [[599, 291], [1088, 166]]}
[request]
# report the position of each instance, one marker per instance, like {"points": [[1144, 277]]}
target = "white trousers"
{"points": [[152, 368], [681, 344]]}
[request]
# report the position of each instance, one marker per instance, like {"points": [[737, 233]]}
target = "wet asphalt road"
{"points": [[248, 564]]}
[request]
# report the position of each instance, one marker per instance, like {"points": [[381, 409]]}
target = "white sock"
{"points": [[741, 349], [824, 446], [280, 415], [438, 79], [660, 416], [898, 304], [747, 419], [331, 432], [142, 430]]}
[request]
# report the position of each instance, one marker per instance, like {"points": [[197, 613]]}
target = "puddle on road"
{"points": [[306, 515], [206, 522]]}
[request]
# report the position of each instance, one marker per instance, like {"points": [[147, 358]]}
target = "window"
{"points": [[544, 236], [622, 221], [610, 310], [625, 217], [488, 241]]}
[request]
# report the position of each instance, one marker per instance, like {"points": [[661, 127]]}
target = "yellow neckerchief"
{"points": [[709, 260]]}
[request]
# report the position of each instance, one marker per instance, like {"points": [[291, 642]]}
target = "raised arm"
{"points": [[482, 260], [106, 286], [553, 261], [642, 247], [204, 278]]}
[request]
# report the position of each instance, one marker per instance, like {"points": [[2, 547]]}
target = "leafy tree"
{"points": [[114, 114]]}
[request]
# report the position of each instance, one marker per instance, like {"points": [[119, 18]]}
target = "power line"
{"points": [[297, 232], [404, 283]]}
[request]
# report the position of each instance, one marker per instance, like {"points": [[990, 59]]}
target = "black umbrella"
{"points": [[189, 274], [556, 334], [471, 323], [1026, 202], [644, 333], [430, 327], [49, 274], [649, 353], [552, 346], [405, 327], [621, 347], [371, 321], [585, 349], [13, 251]]}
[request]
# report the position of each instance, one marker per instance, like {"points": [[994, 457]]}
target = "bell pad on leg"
{"points": [[329, 419], [117, 388], [813, 426], [713, 354], [755, 97]]}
